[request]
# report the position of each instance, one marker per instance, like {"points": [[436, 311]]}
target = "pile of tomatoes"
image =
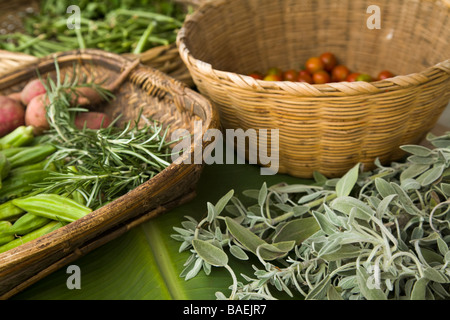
{"points": [[319, 70]]}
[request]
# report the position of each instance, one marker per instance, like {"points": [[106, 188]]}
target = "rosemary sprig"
{"points": [[99, 164], [380, 234]]}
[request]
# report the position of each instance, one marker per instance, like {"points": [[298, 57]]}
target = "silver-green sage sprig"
{"points": [[375, 235]]}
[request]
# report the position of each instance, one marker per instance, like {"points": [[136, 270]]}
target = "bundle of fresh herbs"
{"points": [[375, 235], [116, 26], [100, 164]]}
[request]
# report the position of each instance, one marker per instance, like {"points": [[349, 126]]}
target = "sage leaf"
{"points": [[383, 206], [347, 204], [212, 214], [345, 185], [297, 230], [446, 189], [383, 187], [300, 210], [238, 252], [410, 184], [442, 245], [210, 253], [419, 290], [346, 251], [291, 188], [194, 270], [413, 171], [333, 294], [422, 160], [435, 275], [262, 195], [405, 200], [325, 225], [319, 178], [274, 251], [221, 204], [369, 291], [320, 290], [417, 150], [247, 238], [431, 175]]}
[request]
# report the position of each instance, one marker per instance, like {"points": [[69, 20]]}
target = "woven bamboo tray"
{"points": [[163, 99], [164, 58], [331, 127]]}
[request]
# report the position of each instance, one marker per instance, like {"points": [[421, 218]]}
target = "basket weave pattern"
{"points": [[330, 127], [161, 98]]}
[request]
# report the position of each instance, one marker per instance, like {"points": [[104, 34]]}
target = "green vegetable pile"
{"points": [[369, 235], [127, 26], [56, 178]]}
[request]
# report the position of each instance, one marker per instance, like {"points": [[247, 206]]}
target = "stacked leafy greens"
{"points": [[375, 235], [119, 26]]}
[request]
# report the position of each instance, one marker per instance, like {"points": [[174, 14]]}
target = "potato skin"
{"points": [[32, 89], [36, 114], [12, 115]]}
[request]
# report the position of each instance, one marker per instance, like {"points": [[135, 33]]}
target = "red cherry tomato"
{"points": [[290, 75], [340, 73], [321, 77], [304, 76], [385, 75], [256, 75], [364, 77], [352, 77], [273, 77], [314, 64], [329, 61]]}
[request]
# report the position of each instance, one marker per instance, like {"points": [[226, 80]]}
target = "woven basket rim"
{"points": [[441, 69], [175, 169]]}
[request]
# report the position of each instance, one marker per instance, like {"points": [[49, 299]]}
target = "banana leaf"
{"points": [[145, 263]]}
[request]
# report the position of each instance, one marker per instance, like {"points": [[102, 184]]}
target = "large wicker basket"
{"points": [[164, 58], [330, 127], [163, 99]]}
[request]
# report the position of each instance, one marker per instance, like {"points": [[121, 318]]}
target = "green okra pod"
{"points": [[19, 184], [8, 211], [49, 227], [46, 164], [5, 238], [31, 155], [4, 225], [53, 206], [5, 167], [19, 137], [25, 224], [12, 151]]}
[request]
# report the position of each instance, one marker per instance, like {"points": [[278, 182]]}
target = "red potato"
{"points": [[12, 115], [35, 114], [93, 120], [16, 96], [32, 89]]}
